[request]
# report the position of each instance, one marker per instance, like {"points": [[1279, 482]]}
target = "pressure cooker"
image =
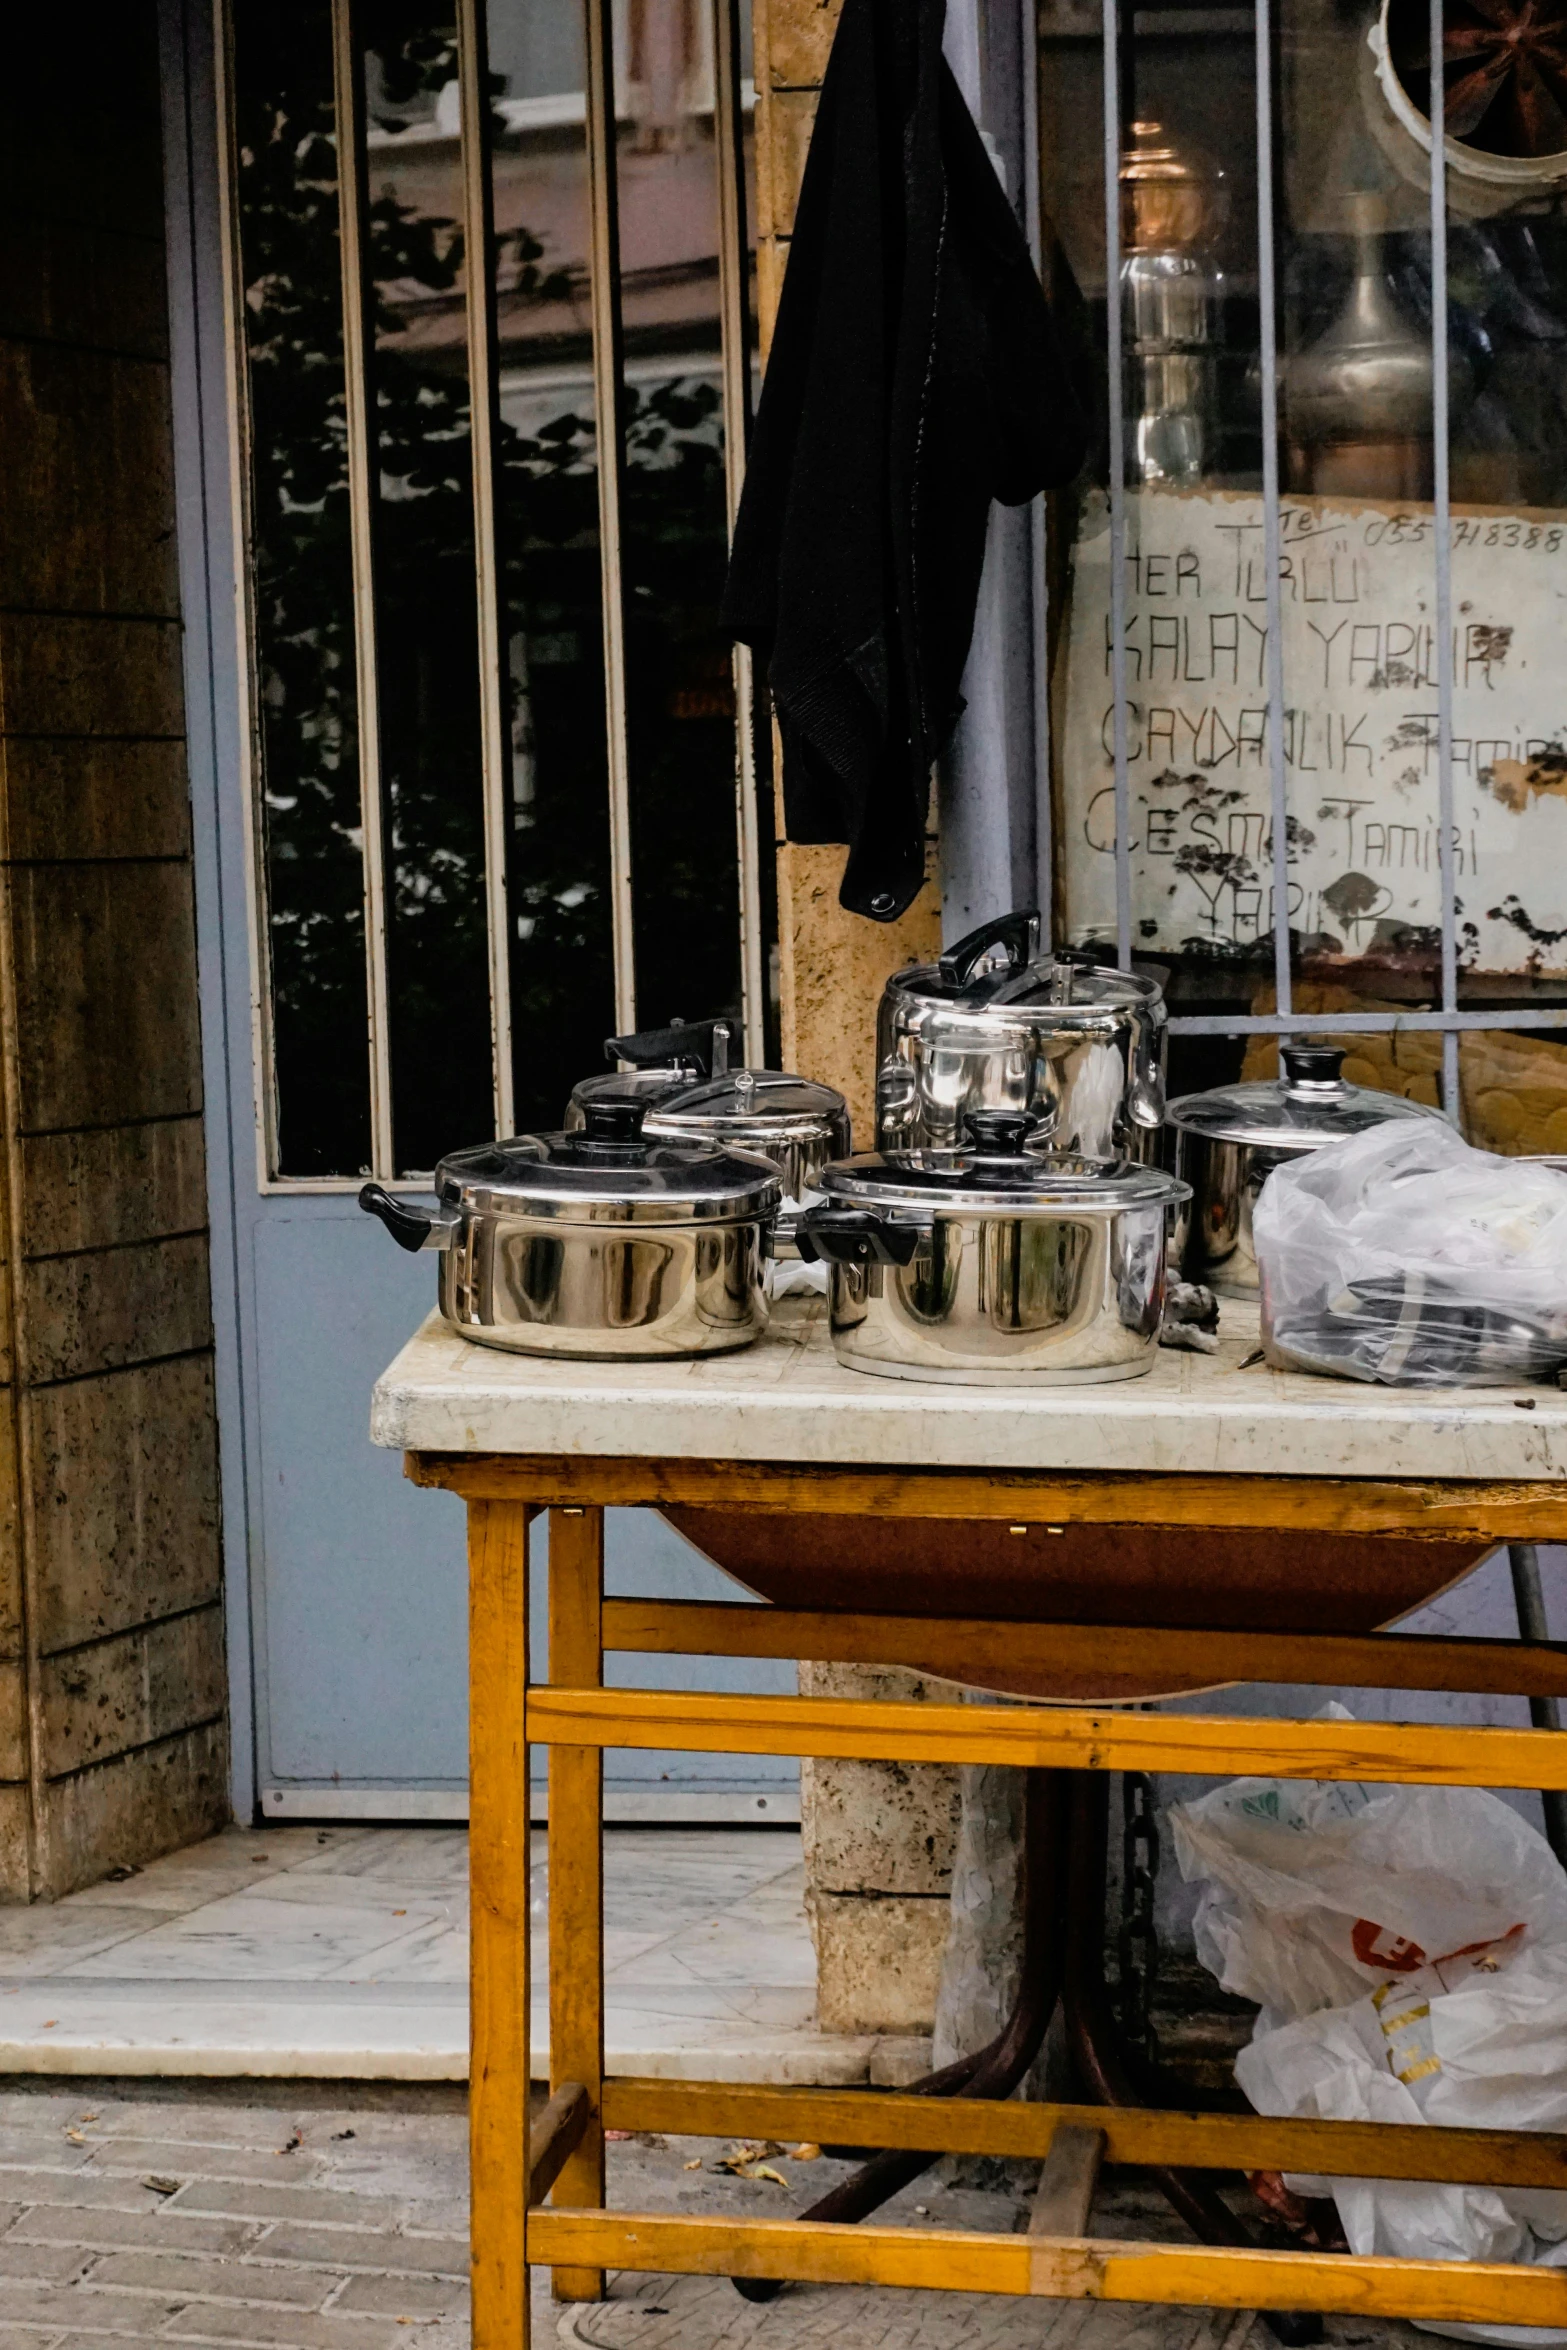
{"points": [[1228, 1142], [681, 1077], [603, 1242], [997, 1025], [994, 1263]]}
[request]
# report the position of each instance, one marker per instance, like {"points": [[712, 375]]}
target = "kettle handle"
{"points": [[704, 1043], [410, 1226], [1018, 933], [855, 1236]]}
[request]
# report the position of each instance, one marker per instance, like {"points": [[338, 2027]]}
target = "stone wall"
{"points": [[113, 1743]]}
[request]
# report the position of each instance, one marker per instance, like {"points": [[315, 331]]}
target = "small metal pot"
{"points": [[994, 1264], [694, 1096], [995, 1025], [1227, 1144], [601, 1243]]}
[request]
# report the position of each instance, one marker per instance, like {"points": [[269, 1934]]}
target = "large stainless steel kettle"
{"points": [[996, 1025]]}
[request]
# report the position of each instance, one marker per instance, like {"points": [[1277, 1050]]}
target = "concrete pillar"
{"points": [[879, 1840]]}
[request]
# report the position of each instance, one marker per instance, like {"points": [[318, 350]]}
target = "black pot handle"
{"points": [[703, 1043], [1018, 933], [411, 1227], [855, 1236]]}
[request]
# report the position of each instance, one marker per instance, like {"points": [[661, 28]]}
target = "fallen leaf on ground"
{"points": [[49, 2025], [296, 2140], [399, 1913], [340, 2134], [162, 2186], [805, 2153], [696, 2164], [746, 2161]]}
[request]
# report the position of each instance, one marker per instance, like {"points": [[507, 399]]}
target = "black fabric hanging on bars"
{"points": [[915, 375]]}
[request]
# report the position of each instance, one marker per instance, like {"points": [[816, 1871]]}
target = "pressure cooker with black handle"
{"points": [[998, 1024]]}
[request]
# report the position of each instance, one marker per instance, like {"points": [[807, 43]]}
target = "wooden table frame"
{"points": [[576, 1717]]}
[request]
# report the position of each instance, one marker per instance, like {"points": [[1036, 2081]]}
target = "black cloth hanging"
{"points": [[915, 375]]}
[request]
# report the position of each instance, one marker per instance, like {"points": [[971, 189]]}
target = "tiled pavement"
{"points": [[211, 2220], [211, 2215], [342, 1953]]}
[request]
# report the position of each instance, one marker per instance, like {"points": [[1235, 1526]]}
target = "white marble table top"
{"points": [[787, 1399]]}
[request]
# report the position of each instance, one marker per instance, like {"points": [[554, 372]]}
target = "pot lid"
{"points": [[738, 1103], [1309, 1105], [997, 1169], [999, 967], [610, 1172]]}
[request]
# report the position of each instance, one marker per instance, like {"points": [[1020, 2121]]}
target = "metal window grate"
{"points": [[1445, 1018], [349, 26]]}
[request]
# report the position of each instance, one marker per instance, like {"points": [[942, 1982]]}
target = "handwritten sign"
{"points": [[1357, 588]]}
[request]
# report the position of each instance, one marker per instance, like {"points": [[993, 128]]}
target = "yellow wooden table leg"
{"points": [[498, 1874], [577, 1868]]}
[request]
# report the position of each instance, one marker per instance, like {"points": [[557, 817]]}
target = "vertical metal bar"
{"points": [[604, 277], [734, 312], [484, 413], [363, 469], [1038, 523], [1112, 162], [1267, 297], [1544, 1712], [1442, 530]]}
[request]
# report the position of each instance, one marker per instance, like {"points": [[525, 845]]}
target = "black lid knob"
{"points": [[611, 1133], [997, 1134], [1312, 1064]]}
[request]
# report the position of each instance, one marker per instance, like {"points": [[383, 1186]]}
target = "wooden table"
{"points": [[1201, 1443]]}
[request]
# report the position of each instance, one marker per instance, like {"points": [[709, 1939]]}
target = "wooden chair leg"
{"points": [[576, 1849], [498, 1875]]}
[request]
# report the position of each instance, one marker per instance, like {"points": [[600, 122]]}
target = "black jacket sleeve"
{"points": [[914, 376]]}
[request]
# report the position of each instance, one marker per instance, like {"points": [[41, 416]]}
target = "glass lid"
{"points": [[999, 1167], [609, 1171], [1309, 1105]]}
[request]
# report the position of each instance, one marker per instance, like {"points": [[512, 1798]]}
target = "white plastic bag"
{"points": [[1408, 1946], [1402, 1255]]}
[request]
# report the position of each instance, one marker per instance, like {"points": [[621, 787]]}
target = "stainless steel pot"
{"points": [[995, 1025], [694, 1096], [992, 1264], [1227, 1144], [599, 1243]]}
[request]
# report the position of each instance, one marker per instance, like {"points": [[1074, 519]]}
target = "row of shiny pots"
{"points": [[990, 1261], [1009, 1227]]}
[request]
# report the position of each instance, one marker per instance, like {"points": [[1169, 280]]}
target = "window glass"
{"points": [[426, 611], [563, 998], [307, 749], [680, 690]]}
